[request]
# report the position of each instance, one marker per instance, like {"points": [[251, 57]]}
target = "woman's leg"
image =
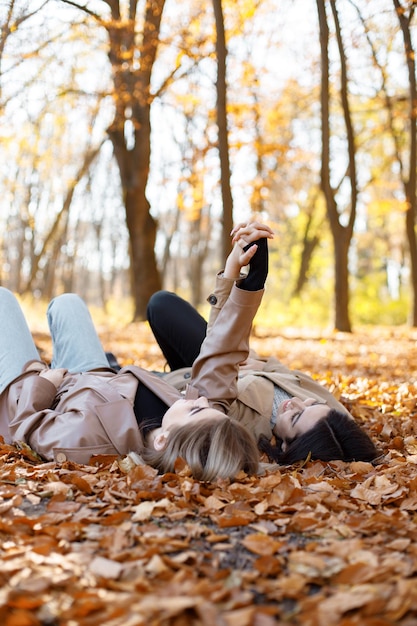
{"points": [[16, 343], [76, 345], [178, 328]]}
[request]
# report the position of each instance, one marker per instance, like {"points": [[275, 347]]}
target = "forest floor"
{"points": [[313, 544]]}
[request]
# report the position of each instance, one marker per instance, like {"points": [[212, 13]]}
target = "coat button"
{"points": [[212, 299], [61, 457]]}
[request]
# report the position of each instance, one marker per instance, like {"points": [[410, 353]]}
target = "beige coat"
{"points": [[92, 413]]}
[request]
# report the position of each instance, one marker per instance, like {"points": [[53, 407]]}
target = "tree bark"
{"points": [[342, 234], [310, 243], [410, 182], [132, 63], [223, 137], [130, 133]]}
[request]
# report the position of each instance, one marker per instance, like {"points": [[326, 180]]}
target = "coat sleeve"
{"points": [[218, 298], [87, 416], [215, 371], [32, 414], [36, 394]]}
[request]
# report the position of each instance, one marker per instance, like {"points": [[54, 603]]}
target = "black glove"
{"points": [[258, 267]]}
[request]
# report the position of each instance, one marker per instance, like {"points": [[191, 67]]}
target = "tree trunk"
{"points": [[411, 183], [132, 58], [310, 243], [223, 138], [145, 279], [341, 292], [134, 169], [130, 133], [341, 234], [199, 245]]}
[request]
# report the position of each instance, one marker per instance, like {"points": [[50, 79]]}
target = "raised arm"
{"points": [[215, 370], [249, 247]]}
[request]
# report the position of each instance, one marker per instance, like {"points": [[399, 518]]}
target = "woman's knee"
{"points": [[8, 301], [67, 303], [159, 303], [6, 295]]}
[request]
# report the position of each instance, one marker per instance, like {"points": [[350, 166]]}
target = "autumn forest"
{"points": [[133, 135]]}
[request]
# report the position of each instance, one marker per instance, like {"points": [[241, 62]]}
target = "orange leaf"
{"points": [[261, 544]]}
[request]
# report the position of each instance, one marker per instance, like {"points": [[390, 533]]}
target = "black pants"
{"points": [[178, 328]]}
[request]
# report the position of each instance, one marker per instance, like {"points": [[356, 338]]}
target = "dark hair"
{"points": [[336, 436]]}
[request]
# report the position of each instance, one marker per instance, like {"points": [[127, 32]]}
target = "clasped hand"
{"points": [[243, 234], [55, 376]]}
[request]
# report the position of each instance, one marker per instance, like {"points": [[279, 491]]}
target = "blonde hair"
{"points": [[211, 448]]}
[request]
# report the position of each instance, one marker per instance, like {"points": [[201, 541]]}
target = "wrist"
{"points": [[232, 271]]}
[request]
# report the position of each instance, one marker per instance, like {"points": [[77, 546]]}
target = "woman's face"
{"points": [[182, 412], [295, 417], [187, 411]]}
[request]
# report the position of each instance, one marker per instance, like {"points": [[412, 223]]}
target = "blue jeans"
{"points": [[75, 343]]}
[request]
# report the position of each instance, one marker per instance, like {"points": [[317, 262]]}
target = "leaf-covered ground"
{"points": [[314, 544]]}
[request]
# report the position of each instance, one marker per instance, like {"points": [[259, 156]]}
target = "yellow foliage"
{"points": [[385, 206]]}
